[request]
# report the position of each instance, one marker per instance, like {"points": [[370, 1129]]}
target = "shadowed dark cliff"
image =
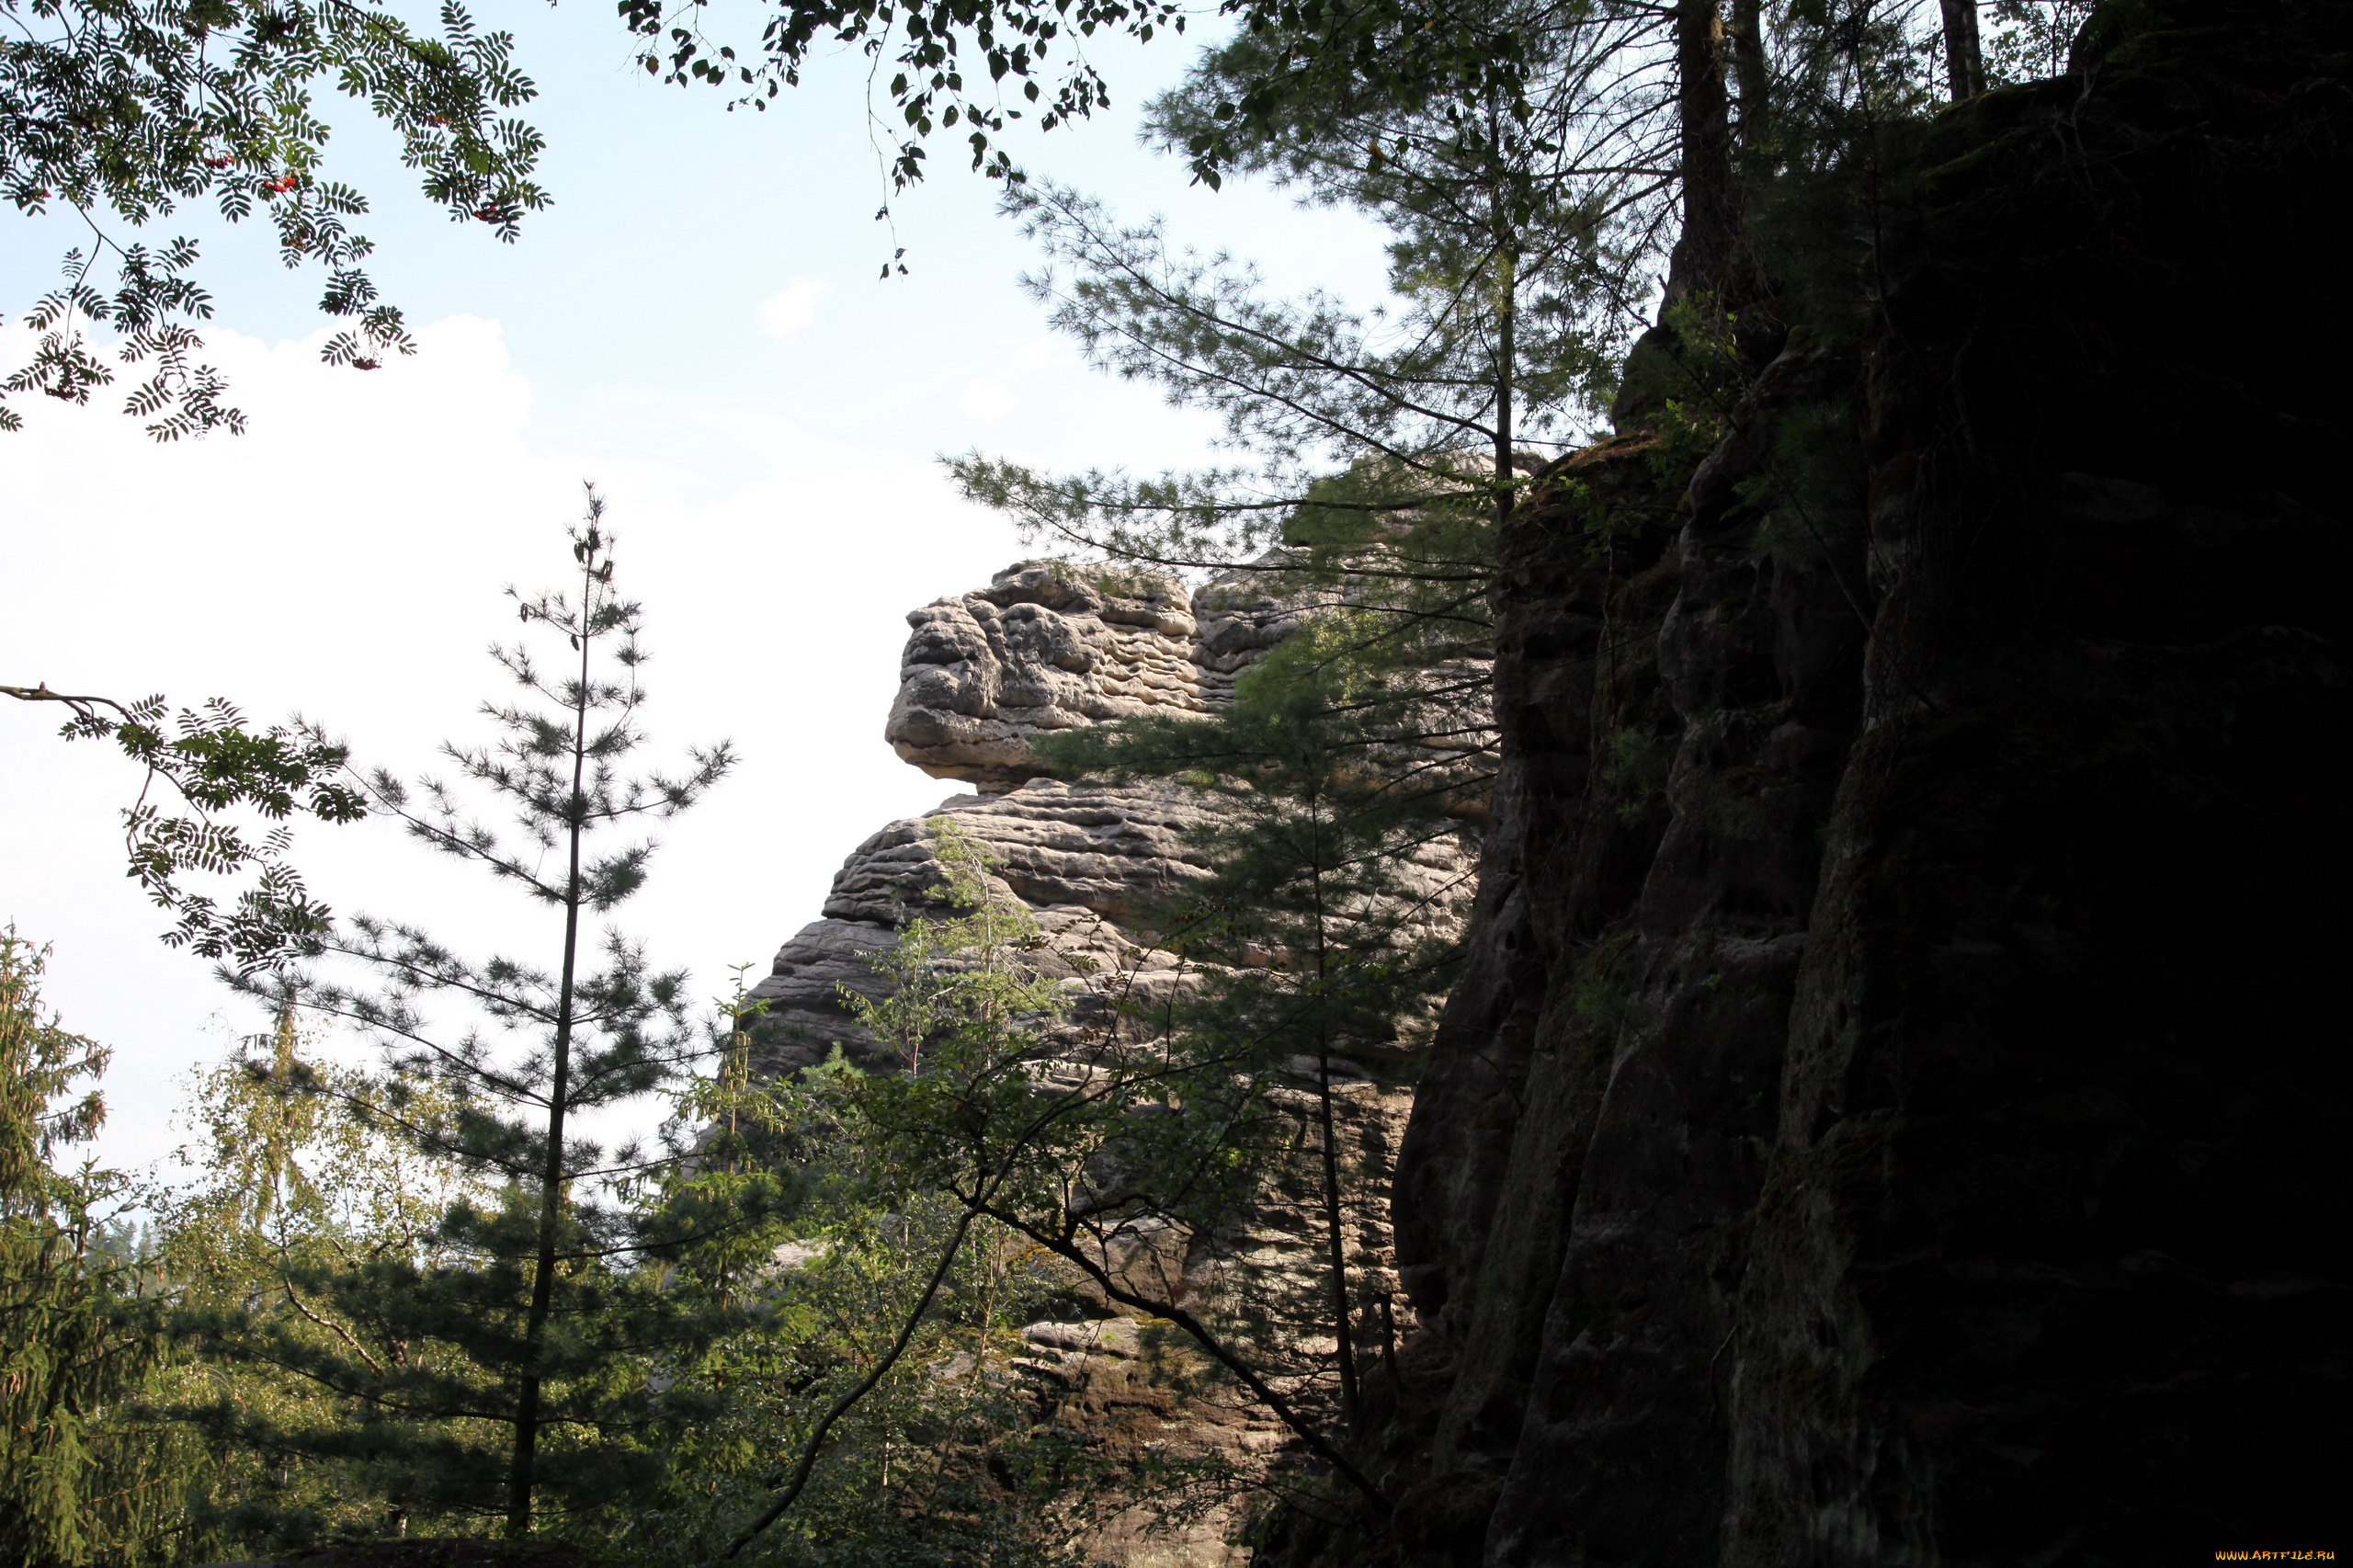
{"points": [[1892, 1111]]}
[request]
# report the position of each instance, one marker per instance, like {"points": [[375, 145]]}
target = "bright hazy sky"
{"points": [[697, 325]]}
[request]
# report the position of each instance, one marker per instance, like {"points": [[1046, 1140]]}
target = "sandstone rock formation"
{"points": [[1882, 1117], [1041, 648], [1038, 648], [1078, 858], [1044, 648]]}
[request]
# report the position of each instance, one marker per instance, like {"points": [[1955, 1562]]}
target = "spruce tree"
{"points": [[82, 1478], [517, 1377]]}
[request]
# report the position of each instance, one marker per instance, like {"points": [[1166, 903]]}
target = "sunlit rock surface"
{"points": [[1036, 650], [1041, 648]]}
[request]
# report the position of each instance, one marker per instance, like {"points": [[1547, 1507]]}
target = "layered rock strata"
{"points": [[1080, 858], [1043, 648], [1046, 648]]}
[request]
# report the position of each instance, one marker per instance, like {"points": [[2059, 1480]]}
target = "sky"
{"points": [[697, 327]]}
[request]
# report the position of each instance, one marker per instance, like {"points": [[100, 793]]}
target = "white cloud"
{"points": [[987, 399], [345, 558], [1045, 353], [793, 308]]}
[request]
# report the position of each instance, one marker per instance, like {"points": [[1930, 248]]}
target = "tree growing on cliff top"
{"points": [[534, 1316], [1514, 249], [1382, 450], [1536, 217]]}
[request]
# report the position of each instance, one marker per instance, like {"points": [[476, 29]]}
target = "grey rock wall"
{"points": [[1921, 1145], [1043, 648], [1080, 858]]}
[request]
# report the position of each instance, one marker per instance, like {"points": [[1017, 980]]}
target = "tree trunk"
{"points": [[521, 1479], [1964, 57], [1334, 1209], [1336, 1233], [1703, 258], [1502, 233], [1506, 369], [1751, 70]]}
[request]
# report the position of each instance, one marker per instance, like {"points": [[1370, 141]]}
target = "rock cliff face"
{"points": [[1891, 1113], [1079, 857]]}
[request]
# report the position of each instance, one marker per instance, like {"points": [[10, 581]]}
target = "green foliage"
{"points": [[214, 765], [784, 1261], [1635, 763], [971, 1014], [1515, 215], [83, 1479], [292, 1179], [1846, 70], [122, 113], [1701, 390], [1384, 47], [861, 1400], [525, 1322], [949, 977], [324, 1257], [1121, 1135], [1343, 774], [1494, 348], [2034, 38], [1388, 448]]}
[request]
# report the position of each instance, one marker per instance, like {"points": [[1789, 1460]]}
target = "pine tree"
{"points": [[1325, 929], [1390, 449], [520, 1329], [1513, 300]]}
